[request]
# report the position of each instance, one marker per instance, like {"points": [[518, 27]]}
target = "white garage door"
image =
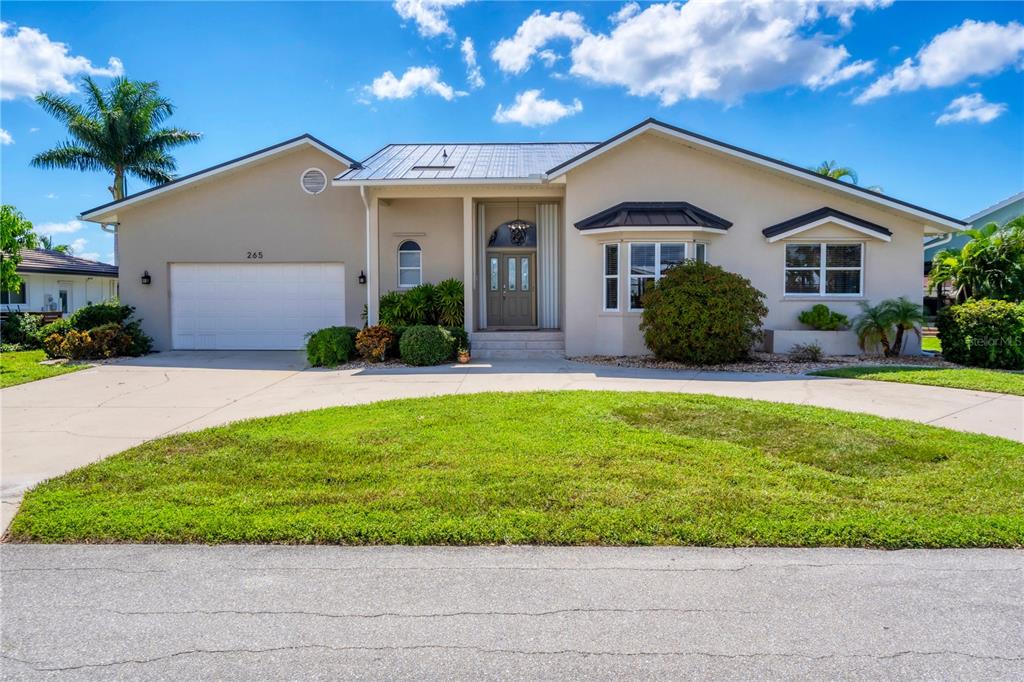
{"points": [[253, 306]]}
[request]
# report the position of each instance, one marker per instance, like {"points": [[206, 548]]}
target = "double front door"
{"points": [[511, 289]]}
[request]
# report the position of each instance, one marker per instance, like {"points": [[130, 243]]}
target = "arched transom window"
{"points": [[410, 264]]}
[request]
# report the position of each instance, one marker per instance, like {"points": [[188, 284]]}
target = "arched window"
{"points": [[410, 264]]}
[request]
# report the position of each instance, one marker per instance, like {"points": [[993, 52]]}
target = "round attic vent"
{"points": [[314, 181]]}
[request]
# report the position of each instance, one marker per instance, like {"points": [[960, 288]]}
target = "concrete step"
{"points": [[518, 354], [517, 336], [518, 345]]}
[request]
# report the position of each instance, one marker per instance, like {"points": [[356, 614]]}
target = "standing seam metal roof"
{"points": [[464, 161]]}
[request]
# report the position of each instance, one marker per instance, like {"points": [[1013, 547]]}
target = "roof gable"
{"points": [[803, 174], [822, 216], [288, 145]]}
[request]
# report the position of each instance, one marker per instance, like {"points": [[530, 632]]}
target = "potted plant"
{"points": [[463, 355]]}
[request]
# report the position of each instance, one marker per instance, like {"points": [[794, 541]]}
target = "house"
{"points": [[556, 242], [58, 282]]}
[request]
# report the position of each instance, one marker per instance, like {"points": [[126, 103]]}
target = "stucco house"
{"points": [[55, 282], [555, 242]]}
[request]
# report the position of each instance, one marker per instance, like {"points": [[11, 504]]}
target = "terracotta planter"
{"points": [[463, 358]]}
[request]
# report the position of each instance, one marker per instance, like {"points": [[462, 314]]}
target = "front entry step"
{"points": [[518, 345]]}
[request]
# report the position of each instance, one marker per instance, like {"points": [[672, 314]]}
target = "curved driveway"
{"points": [[55, 425]]}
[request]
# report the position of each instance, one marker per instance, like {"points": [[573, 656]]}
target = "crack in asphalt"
{"points": [[40, 667], [396, 614]]}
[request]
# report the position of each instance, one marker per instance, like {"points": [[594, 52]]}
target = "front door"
{"points": [[511, 289]]}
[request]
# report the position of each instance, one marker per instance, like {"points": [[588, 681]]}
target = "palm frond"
{"points": [[61, 108], [68, 155]]}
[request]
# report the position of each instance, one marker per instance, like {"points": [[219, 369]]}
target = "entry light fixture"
{"points": [[146, 279], [517, 228], [362, 277]]}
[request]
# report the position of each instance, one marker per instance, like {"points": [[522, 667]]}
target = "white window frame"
{"points": [[604, 281], [22, 291], [401, 268], [657, 266], [823, 269]]}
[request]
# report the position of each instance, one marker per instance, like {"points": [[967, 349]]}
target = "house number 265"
{"points": [[254, 255]]}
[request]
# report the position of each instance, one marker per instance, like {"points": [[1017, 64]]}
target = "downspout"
{"points": [[373, 276], [112, 229]]}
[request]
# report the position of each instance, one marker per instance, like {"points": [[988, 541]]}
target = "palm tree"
{"points": [[872, 327], [905, 316], [831, 169], [117, 130], [989, 265], [46, 242]]}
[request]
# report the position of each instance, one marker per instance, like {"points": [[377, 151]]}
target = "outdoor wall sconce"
{"points": [[146, 279], [362, 277]]}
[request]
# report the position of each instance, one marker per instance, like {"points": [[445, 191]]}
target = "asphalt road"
{"points": [[266, 612]]}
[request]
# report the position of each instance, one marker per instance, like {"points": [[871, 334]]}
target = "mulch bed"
{"points": [[768, 363]]}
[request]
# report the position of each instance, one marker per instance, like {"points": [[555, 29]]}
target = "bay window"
{"points": [[611, 276], [647, 263]]}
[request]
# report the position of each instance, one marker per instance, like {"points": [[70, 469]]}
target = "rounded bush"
{"points": [[331, 346], [983, 333], [99, 314], [21, 329], [426, 345], [375, 343], [701, 314]]}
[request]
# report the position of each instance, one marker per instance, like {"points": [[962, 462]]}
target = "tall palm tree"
{"points": [[46, 242], [117, 130], [831, 169]]}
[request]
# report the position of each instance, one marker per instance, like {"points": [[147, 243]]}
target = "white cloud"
{"points": [[720, 51], [513, 55], [33, 130], [77, 246], [627, 11], [549, 57], [529, 109], [415, 79], [51, 195], [971, 108], [473, 75], [5, 137], [431, 16], [68, 227], [32, 63], [973, 48], [109, 258]]}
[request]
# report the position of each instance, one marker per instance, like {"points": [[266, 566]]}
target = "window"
{"points": [[647, 263], [839, 273], [494, 273], [701, 255], [410, 264], [14, 297], [611, 276]]}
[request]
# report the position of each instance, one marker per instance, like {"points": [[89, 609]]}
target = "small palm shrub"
{"points": [[700, 314], [449, 303], [983, 333], [331, 346], [418, 305], [426, 345], [884, 325], [374, 344], [822, 318]]}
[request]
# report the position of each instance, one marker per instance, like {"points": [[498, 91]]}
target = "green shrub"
{"points": [[700, 314], [426, 345], [331, 346], [822, 318], [99, 314], [390, 312], [108, 341], [61, 327], [983, 333], [449, 303], [374, 344], [21, 329], [73, 345], [461, 338]]}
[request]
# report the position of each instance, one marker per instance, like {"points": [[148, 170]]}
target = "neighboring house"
{"points": [[556, 242], [1001, 213], [57, 282]]}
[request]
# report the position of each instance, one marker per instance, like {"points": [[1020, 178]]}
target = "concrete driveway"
{"points": [[481, 613], [55, 425]]}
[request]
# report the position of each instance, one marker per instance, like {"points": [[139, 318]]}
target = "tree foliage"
{"points": [[117, 130], [990, 265], [15, 234], [886, 324]]}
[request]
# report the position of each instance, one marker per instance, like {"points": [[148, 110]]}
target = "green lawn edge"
{"points": [[551, 468], [23, 366], [969, 378]]}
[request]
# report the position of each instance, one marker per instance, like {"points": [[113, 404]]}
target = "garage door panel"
{"points": [[242, 306]]}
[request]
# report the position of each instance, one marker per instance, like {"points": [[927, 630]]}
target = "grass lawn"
{"points": [[974, 379], [931, 344], [558, 468], [23, 366]]}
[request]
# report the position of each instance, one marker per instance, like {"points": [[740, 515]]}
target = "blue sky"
{"points": [[923, 99]]}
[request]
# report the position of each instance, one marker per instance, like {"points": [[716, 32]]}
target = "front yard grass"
{"points": [[567, 468], [21, 367], [932, 344], [991, 380]]}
